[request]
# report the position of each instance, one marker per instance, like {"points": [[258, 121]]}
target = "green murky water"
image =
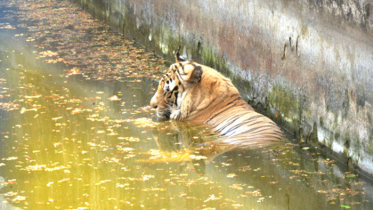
{"points": [[74, 134]]}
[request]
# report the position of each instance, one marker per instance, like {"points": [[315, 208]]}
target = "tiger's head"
{"points": [[170, 92]]}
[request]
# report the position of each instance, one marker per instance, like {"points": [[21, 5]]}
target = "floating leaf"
{"points": [[114, 98], [231, 175]]}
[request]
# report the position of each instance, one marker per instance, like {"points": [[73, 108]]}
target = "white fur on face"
{"points": [[180, 99], [169, 85]]}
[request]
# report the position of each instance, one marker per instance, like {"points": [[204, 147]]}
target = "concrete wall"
{"points": [[310, 61]]}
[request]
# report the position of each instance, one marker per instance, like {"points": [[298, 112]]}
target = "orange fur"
{"points": [[208, 97]]}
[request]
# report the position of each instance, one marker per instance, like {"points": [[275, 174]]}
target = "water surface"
{"points": [[74, 134]]}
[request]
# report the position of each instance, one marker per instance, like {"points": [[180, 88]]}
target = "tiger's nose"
{"points": [[153, 106]]}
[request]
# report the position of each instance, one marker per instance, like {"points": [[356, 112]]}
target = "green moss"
{"points": [[284, 101], [313, 137], [321, 121], [369, 148], [209, 58], [336, 135]]}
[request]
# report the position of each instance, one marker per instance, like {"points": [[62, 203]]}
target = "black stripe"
{"points": [[229, 123], [223, 109], [211, 118], [234, 127], [239, 97], [253, 133], [176, 94]]}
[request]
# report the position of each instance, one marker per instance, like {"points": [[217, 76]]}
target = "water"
{"points": [[74, 134]]}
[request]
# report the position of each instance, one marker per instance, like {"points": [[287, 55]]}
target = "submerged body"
{"points": [[194, 92]]}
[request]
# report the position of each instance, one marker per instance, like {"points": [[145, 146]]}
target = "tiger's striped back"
{"points": [[240, 122]]}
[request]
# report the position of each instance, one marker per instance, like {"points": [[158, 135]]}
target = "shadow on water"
{"points": [[71, 142]]}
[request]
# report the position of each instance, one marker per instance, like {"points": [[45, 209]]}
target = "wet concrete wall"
{"points": [[310, 62]]}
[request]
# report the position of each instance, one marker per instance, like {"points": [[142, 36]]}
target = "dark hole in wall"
{"points": [[360, 99], [336, 135], [199, 48], [369, 115], [345, 103], [349, 163], [347, 143], [314, 138], [321, 121], [367, 10]]}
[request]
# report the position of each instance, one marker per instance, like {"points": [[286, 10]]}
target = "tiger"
{"points": [[190, 91]]}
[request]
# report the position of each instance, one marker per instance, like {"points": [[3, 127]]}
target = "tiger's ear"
{"points": [[179, 58], [195, 75]]}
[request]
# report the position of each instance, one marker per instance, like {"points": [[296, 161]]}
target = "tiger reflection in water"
{"points": [[191, 145]]}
